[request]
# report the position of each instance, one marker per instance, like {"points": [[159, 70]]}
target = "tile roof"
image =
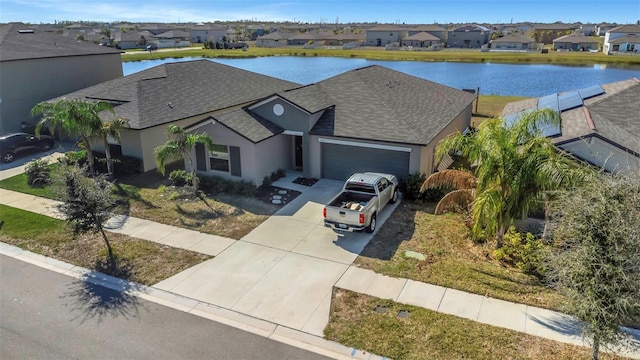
{"points": [[34, 43], [379, 103], [191, 87]]}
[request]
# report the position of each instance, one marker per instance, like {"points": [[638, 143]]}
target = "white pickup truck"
{"points": [[362, 198]]}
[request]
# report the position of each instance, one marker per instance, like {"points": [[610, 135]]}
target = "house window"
{"points": [[219, 158]]}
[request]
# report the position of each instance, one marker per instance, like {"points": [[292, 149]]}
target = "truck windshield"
{"points": [[361, 187]]}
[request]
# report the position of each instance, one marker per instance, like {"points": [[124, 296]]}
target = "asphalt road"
{"points": [[44, 314]]}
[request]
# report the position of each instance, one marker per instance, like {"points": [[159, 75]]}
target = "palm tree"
{"points": [[180, 146], [515, 166], [462, 183], [75, 117], [111, 129]]}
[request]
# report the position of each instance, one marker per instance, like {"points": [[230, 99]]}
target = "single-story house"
{"points": [[37, 65], [576, 42], [422, 40], [625, 31], [173, 38], [274, 39], [345, 38], [513, 41], [373, 119], [625, 44], [600, 124]]}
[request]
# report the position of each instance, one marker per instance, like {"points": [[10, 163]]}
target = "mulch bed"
{"points": [[268, 193], [305, 181]]}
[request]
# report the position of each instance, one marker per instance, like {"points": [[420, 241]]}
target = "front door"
{"points": [[298, 152]]}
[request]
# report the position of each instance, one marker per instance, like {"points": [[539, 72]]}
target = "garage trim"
{"points": [[365, 145]]}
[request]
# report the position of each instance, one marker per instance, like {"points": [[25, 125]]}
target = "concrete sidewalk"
{"points": [[288, 282]]}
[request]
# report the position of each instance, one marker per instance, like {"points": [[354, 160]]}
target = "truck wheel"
{"points": [[372, 225], [394, 197]]}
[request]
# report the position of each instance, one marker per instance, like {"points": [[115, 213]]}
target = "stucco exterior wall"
{"points": [[293, 118], [24, 83], [460, 123], [386, 37], [256, 160]]}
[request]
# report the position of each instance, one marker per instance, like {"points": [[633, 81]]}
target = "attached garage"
{"points": [[341, 159]]}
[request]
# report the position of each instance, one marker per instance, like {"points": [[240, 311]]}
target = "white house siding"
{"points": [[24, 83], [603, 155]]}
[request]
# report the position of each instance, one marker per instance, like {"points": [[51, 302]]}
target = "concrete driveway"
{"points": [[284, 270]]}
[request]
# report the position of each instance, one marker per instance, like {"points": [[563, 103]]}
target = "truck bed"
{"points": [[351, 201]]}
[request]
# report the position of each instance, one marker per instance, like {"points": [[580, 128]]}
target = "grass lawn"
{"points": [[452, 259], [552, 57], [225, 215], [490, 106], [148, 262], [426, 334]]}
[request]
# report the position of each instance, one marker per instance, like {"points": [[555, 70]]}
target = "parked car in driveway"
{"points": [[362, 198], [14, 143]]}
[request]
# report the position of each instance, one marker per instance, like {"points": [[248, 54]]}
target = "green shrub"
{"points": [[38, 172], [122, 165], [180, 177], [266, 181], [523, 251], [411, 187], [218, 184], [78, 157]]}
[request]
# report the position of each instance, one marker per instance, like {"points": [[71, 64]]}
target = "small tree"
{"points": [[87, 203], [596, 262], [180, 146]]}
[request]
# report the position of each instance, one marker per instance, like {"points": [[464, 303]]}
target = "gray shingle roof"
{"points": [[192, 87], [513, 38], [250, 125], [626, 29], [633, 39], [615, 115], [379, 103], [422, 36], [37, 44], [576, 38]]}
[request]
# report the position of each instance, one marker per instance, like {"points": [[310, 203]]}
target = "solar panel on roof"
{"points": [[591, 91], [569, 100], [551, 130], [549, 101]]}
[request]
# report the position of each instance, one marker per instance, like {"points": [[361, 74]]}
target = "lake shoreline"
{"points": [[464, 56]]}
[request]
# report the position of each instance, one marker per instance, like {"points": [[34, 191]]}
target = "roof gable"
{"points": [[379, 103]]}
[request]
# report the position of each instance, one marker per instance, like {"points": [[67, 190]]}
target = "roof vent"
{"points": [[25, 31]]}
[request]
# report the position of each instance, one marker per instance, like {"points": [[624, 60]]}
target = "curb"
{"points": [[198, 308]]}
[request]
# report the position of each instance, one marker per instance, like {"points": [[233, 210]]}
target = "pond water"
{"points": [[498, 79]]}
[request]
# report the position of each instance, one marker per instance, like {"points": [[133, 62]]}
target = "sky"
{"points": [[327, 11]]}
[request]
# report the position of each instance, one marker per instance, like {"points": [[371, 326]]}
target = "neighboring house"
{"points": [[513, 42], [347, 38], [372, 118], [588, 29], [468, 36], [433, 29], [173, 38], [599, 124], [133, 39], [306, 37], [601, 29], [622, 39], [36, 66], [546, 33], [576, 42], [383, 35], [202, 33], [422, 40], [274, 39]]}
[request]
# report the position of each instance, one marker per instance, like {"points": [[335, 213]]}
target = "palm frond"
{"points": [[449, 178], [455, 200]]}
